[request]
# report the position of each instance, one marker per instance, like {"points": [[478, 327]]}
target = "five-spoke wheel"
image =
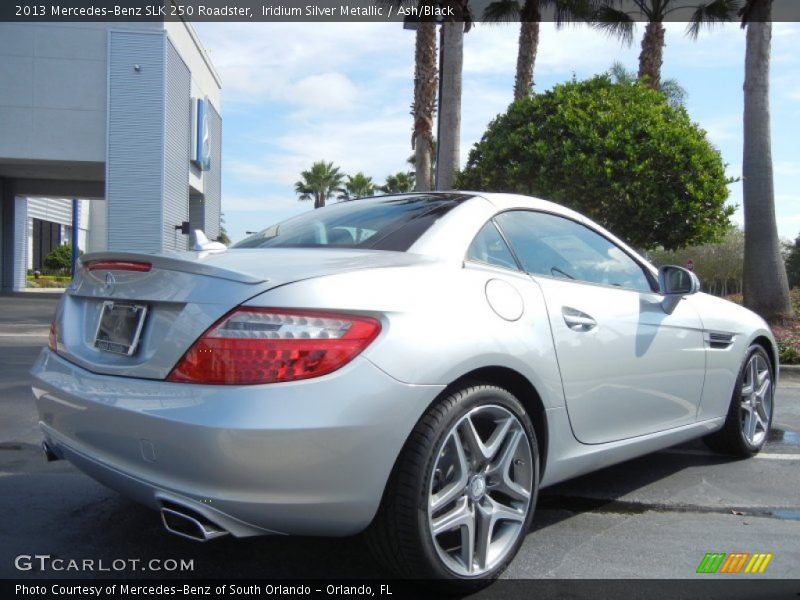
{"points": [[750, 413], [462, 494], [480, 490], [756, 398]]}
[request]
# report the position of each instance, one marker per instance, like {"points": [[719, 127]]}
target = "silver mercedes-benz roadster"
{"points": [[417, 366]]}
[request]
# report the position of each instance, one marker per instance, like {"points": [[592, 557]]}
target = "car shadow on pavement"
{"points": [[618, 488], [61, 512], [65, 514]]}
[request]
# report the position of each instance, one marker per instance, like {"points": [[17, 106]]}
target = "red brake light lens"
{"points": [[261, 345], [117, 265]]}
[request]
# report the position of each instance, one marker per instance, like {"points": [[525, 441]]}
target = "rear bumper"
{"points": [[309, 457]]}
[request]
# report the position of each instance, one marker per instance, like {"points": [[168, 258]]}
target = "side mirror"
{"points": [[674, 283]]}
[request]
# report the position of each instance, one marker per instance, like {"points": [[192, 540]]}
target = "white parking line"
{"points": [[764, 455], [19, 335]]}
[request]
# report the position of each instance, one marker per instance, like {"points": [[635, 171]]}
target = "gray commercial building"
{"points": [[124, 117]]}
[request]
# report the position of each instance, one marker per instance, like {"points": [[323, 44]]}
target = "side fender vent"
{"points": [[720, 340]]}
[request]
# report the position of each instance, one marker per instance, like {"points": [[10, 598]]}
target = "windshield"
{"points": [[383, 223]]}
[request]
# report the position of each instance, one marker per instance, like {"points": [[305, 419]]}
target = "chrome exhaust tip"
{"points": [[49, 455], [190, 525]]}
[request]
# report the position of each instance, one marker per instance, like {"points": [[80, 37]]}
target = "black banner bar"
{"points": [[723, 588], [300, 10]]}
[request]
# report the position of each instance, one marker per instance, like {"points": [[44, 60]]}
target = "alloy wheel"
{"points": [[480, 490], [756, 400]]}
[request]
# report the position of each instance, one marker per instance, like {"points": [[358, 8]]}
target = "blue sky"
{"points": [[294, 93]]}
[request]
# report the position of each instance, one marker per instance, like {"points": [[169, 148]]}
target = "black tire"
{"points": [[400, 536], [731, 439]]}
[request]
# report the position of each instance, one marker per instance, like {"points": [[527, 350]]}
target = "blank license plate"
{"points": [[120, 327]]}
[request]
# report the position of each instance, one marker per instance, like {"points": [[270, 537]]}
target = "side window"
{"points": [[558, 247], [490, 248]]}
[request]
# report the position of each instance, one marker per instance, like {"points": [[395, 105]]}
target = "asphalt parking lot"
{"points": [[653, 517]]}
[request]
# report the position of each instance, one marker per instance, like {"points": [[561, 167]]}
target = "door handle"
{"points": [[577, 320]]}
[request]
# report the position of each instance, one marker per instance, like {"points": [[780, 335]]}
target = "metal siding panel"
{"points": [[197, 214], [55, 210], [213, 179], [3, 233], [20, 242], [135, 161], [177, 149]]}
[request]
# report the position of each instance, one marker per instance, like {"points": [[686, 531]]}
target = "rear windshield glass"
{"points": [[387, 223]]}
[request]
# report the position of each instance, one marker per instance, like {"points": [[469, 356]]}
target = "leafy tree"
{"points": [[719, 265], [613, 17], [399, 183], [529, 13], [766, 289], [60, 259], [618, 153], [676, 94], [791, 254], [357, 186], [222, 237], [319, 183]]}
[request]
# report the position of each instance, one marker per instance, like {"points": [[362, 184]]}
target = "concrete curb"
{"points": [[790, 373], [24, 330], [37, 293]]}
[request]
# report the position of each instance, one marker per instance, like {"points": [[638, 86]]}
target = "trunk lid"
{"points": [[184, 294]]}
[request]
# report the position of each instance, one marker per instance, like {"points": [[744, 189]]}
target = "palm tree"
{"points": [[529, 14], [453, 30], [766, 289], [320, 182], [425, 84], [357, 186], [620, 23], [674, 92], [399, 183]]}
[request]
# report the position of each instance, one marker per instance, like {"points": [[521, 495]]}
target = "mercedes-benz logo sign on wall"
{"points": [[201, 141]]}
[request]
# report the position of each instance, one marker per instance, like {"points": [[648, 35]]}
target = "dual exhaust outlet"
{"points": [[176, 519], [49, 453], [189, 524]]}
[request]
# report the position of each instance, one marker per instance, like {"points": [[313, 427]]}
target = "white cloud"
{"points": [[258, 204], [723, 128], [788, 168], [271, 61], [378, 146], [327, 91], [492, 49]]}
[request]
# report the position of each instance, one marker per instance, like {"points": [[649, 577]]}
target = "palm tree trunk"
{"points": [[766, 289], [449, 159], [425, 84], [652, 55], [528, 47]]}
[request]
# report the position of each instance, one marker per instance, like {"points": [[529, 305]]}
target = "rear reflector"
{"points": [[262, 345], [117, 265]]}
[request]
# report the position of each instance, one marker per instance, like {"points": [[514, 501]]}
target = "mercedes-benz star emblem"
{"points": [[110, 282]]}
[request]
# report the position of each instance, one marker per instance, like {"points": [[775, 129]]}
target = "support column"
{"points": [[20, 257]]}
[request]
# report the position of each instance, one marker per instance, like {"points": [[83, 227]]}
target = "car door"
{"points": [[628, 368]]}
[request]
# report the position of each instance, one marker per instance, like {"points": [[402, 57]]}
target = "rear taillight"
{"points": [[52, 338], [261, 345], [117, 265]]}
